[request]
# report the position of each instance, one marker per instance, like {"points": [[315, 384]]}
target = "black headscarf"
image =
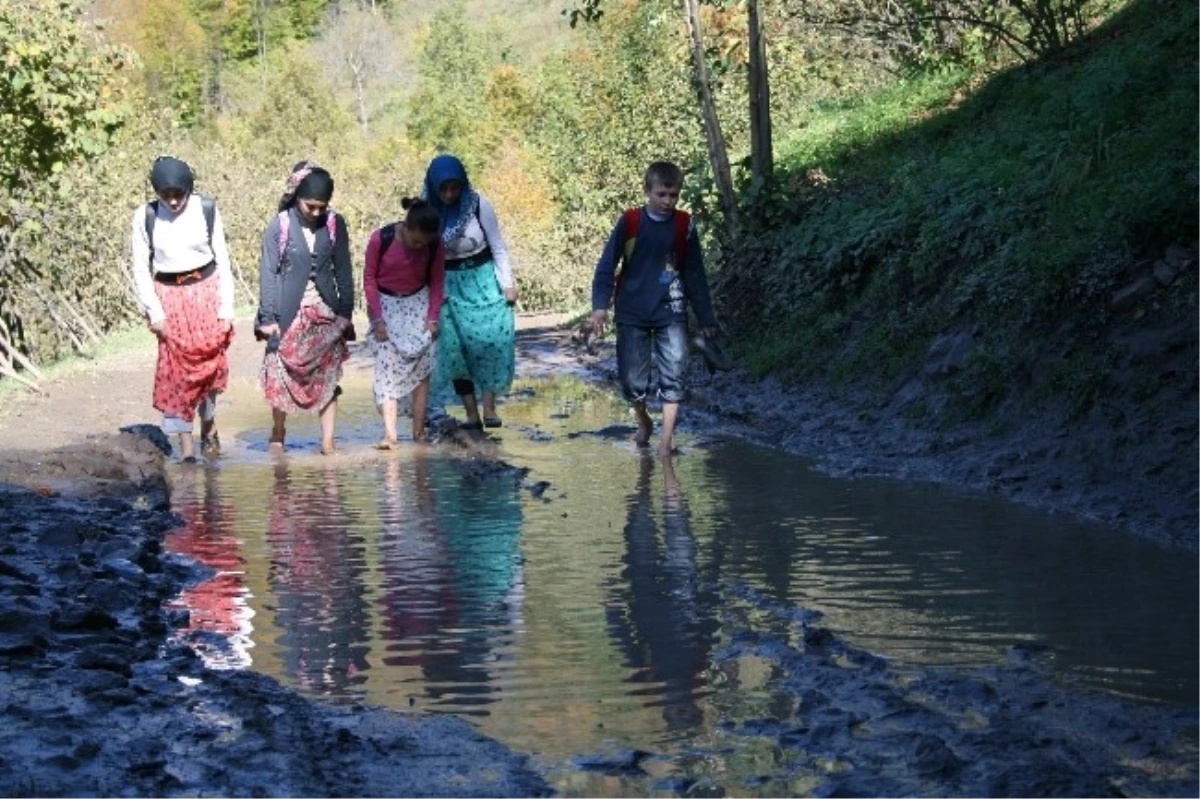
{"points": [[317, 185], [299, 185], [168, 172]]}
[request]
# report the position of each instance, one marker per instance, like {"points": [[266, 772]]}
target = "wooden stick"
{"points": [[6, 372], [15, 355]]}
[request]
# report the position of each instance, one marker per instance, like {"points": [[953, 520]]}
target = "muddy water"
{"points": [[581, 607]]}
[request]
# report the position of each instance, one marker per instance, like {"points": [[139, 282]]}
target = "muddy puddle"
{"points": [[591, 605]]}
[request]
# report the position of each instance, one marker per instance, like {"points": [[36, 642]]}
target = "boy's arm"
{"points": [[603, 282], [695, 282]]}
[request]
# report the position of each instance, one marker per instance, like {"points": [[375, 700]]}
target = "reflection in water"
{"points": [[316, 574], [217, 605], [656, 613], [452, 586]]}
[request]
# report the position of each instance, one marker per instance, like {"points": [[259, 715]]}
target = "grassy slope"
{"points": [[1009, 213]]}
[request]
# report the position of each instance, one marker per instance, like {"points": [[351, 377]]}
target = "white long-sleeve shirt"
{"points": [[180, 245], [472, 240]]}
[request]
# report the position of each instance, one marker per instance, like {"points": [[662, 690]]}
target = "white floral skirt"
{"points": [[406, 358]]}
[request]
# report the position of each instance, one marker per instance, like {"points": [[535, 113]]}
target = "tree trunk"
{"points": [[762, 158], [712, 125]]}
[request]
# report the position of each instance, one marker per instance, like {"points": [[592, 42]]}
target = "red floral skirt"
{"points": [[303, 374], [191, 352]]}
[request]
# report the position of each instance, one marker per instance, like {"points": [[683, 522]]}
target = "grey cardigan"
{"points": [[281, 285]]}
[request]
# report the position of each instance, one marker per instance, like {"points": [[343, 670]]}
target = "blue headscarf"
{"points": [[454, 217]]}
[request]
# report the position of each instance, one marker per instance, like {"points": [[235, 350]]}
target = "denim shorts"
{"points": [[668, 348]]}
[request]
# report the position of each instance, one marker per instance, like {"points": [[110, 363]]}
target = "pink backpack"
{"points": [[285, 222]]}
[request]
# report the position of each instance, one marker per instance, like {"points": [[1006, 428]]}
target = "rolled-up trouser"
{"points": [[206, 410], [666, 346]]}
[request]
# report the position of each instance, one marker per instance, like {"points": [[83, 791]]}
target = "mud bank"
{"points": [[863, 726], [98, 701], [1140, 481]]}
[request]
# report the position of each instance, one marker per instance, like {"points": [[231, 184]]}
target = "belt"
{"points": [[179, 278], [390, 293], [471, 261]]}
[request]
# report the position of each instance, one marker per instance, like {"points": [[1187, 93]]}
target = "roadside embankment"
{"points": [[98, 700]]}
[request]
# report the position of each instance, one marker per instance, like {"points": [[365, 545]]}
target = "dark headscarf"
{"points": [[307, 181], [168, 172], [456, 216]]}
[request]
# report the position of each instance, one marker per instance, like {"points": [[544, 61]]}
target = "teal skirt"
{"points": [[477, 335]]}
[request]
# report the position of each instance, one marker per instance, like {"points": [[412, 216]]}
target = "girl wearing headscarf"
{"points": [[476, 343], [306, 299], [184, 284], [403, 281]]}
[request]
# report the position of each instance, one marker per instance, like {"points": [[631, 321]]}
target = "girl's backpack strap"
{"points": [[331, 226], [285, 222]]}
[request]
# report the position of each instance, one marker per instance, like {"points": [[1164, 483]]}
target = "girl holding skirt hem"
{"points": [[306, 299], [476, 350], [403, 280]]}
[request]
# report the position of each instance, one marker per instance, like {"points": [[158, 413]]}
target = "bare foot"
{"points": [[645, 427]]}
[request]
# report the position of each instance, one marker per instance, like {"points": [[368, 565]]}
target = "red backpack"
{"points": [[633, 220]]}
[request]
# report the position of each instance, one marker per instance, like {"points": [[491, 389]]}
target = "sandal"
{"points": [[470, 426], [492, 421], [210, 445]]}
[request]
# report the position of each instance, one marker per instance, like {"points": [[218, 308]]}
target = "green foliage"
{"points": [[56, 94], [941, 202]]}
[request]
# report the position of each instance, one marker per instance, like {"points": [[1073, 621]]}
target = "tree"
{"points": [[57, 102], [712, 124], [359, 46], [761, 157]]}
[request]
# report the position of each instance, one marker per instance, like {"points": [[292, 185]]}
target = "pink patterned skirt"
{"points": [[191, 353], [303, 374]]}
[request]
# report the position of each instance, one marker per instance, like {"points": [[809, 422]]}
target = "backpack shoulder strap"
{"points": [[632, 220], [285, 222], [151, 218], [683, 226], [208, 205], [387, 234], [331, 226]]}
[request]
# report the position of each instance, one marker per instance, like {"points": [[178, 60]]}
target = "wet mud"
{"points": [[97, 700], [98, 697]]}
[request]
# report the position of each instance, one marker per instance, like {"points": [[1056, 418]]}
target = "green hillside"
{"points": [[988, 238]]}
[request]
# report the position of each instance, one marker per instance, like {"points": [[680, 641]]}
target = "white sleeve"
{"points": [[143, 280], [491, 229], [224, 268]]}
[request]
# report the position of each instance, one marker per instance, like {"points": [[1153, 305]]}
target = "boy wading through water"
{"points": [[662, 271]]}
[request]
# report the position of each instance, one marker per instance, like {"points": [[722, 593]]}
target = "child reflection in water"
{"points": [[451, 578], [655, 614], [316, 574], [217, 605]]}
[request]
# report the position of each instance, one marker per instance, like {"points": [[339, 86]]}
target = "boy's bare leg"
{"points": [[645, 424], [420, 403], [328, 420], [388, 409], [670, 414], [278, 427], [472, 408]]}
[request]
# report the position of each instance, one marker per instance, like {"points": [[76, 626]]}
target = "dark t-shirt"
{"points": [[654, 292]]}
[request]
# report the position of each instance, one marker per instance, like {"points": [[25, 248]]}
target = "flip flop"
{"points": [[470, 426], [716, 357], [492, 421]]}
